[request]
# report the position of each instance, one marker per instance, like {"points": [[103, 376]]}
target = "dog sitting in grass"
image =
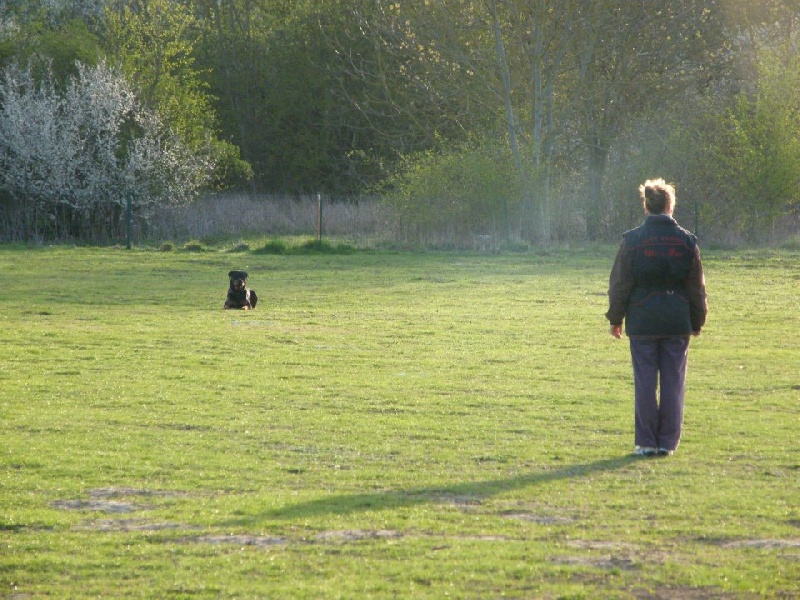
{"points": [[239, 295]]}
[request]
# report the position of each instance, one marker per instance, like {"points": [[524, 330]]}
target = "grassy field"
{"points": [[385, 426]]}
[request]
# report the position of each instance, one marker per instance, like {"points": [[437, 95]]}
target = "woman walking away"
{"points": [[658, 288]]}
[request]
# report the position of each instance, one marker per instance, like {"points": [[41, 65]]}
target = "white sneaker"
{"points": [[645, 451], [665, 452]]}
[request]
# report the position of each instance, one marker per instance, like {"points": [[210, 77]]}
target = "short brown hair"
{"points": [[658, 197]]}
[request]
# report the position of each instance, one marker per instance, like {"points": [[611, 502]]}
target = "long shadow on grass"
{"points": [[469, 492]]}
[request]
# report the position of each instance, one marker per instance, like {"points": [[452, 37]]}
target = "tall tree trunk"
{"points": [[509, 108], [546, 64], [596, 210]]}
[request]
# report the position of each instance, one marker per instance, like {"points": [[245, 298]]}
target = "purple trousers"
{"points": [[659, 362]]}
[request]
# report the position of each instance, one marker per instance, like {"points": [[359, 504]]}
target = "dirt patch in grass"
{"points": [[344, 535], [126, 492], [96, 506], [132, 525], [757, 544], [763, 544], [331, 536], [607, 555], [354, 535], [487, 538], [689, 593], [604, 545], [596, 562], [460, 500], [535, 518], [107, 500], [236, 540]]}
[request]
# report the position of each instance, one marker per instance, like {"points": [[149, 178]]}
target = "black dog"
{"points": [[239, 295]]}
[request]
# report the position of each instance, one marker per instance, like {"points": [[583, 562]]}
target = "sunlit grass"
{"points": [[384, 425]]}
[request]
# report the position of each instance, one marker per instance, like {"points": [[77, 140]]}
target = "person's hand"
{"points": [[616, 331], [696, 333]]}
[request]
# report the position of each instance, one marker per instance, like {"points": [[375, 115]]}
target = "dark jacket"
{"points": [[657, 284]]}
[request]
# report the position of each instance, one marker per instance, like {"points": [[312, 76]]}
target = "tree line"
{"points": [[525, 120]]}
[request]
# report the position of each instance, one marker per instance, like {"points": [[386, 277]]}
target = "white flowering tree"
{"points": [[72, 157]]}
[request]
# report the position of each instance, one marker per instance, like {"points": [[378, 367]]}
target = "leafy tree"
{"points": [[407, 77], [758, 147], [48, 45], [638, 59], [228, 47], [152, 43], [541, 36], [293, 89], [419, 79], [732, 144], [456, 195], [67, 45], [9, 31], [269, 70]]}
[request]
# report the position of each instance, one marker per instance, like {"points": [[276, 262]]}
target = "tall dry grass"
{"points": [[365, 220]]}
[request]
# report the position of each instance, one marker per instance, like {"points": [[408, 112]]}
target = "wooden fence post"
{"points": [[319, 218]]}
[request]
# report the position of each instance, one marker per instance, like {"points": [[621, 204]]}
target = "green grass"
{"points": [[384, 425]]}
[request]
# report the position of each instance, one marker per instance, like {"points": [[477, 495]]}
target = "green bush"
{"points": [[464, 191], [323, 247], [272, 247], [193, 246]]}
